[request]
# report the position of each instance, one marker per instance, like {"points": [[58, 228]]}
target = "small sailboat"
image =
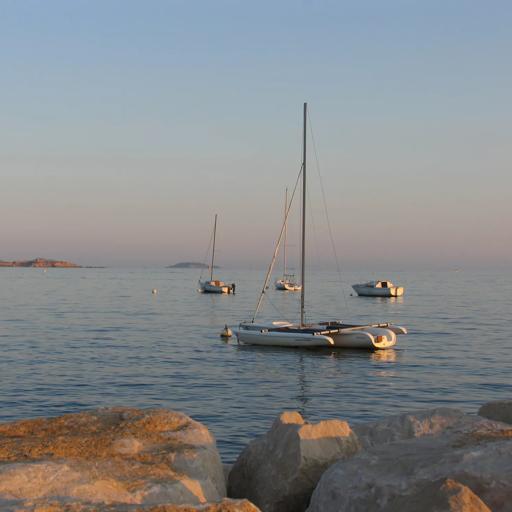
{"points": [[378, 289], [214, 285], [287, 282], [330, 334]]}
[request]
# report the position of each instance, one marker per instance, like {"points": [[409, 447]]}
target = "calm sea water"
{"points": [[83, 338]]}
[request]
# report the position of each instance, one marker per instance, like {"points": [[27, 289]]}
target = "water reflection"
{"points": [[303, 388], [388, 356]]}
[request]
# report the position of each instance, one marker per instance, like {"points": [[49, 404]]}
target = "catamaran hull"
{"points": [[283, 339], [369, 339], [369, 291]]}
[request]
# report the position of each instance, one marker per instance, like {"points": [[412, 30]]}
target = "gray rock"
{"points": [[443, 495], [500, 410], [475, 452], [119, 455], [279, 470], [412, 425]]}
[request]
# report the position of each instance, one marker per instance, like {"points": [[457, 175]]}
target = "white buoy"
{"points": [[154, 291], [226, 332]]}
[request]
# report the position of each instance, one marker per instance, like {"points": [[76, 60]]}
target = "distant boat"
{"points": [[378, 289], [214, 285], [330, 334], [287, 282]]}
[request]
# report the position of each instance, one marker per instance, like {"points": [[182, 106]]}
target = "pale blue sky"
{"points": [[124, 126]]}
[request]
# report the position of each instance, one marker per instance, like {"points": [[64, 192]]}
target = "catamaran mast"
{"points": [[213, 250], [303, 259]]}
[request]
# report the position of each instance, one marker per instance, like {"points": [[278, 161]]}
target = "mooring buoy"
{"points": [[226, 332]]}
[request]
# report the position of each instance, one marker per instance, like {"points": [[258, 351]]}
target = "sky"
{"points": [[125, 126]]}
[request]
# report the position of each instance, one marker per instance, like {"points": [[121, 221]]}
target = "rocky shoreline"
{"points": [[39, 263], [125, 459]]}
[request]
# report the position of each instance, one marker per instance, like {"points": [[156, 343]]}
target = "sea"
{"points": [[76, 339]]}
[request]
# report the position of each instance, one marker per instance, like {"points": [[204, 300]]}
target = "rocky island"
{"points": [[190, 264], [39, 263]]}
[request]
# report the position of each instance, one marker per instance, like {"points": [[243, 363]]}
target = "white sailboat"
{"points": [[286, 283], [214, 285], [333, 334]]}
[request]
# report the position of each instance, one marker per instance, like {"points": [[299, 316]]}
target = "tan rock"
{"points": [[225, 505], [500, 410], [108, 456], [279, 470]]}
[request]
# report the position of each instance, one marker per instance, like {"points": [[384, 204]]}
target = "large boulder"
{"points": [[225, 505], [501, 410], [279, 470], [412, 425], [475, 452], [110, 456]]}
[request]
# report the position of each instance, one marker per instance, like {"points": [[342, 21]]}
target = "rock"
{"points": [[110, 456], [443, 495], [39, 263], [225, 505], [278, 471], [411, 425], [226, 469], [475, 452], [500, 410]]}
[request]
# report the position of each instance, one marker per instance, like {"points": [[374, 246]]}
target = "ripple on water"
{"points": [[98, 337]]}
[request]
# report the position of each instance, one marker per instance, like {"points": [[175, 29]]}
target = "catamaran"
{"points": [[286, 283], [331, 334], [214, 285]]}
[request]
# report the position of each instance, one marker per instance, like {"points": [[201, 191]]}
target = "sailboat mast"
{"points": [[303, 259], [213, 249], [285, 227]]}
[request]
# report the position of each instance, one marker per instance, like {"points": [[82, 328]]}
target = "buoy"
{"points": [[226, 332], [154, 291]]}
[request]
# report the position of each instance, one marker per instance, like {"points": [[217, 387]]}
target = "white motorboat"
{"points": [[286, 283], [332, 334], [214, 285], [378, 289]]}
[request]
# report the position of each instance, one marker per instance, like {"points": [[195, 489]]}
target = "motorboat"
{"points": [[214, 285], [378, 289], [327, 334]]}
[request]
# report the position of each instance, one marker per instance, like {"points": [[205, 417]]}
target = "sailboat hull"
{"points": [[214, 287], [283, 285]]}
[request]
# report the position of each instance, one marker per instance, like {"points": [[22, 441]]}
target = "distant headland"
{"points": [[39, 263], [190, 264]]}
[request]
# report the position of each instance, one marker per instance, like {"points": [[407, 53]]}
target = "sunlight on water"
{"points": [[77, 339]]}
